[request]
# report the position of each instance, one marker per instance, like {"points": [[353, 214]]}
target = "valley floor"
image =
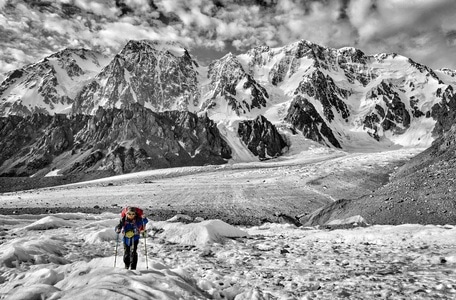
{"points": [[241, 193]]}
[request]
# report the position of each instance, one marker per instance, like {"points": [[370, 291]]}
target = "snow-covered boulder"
{"points": [[202, 233], [354, 221], [104, 235]]}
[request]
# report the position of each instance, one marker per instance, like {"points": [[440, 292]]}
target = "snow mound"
{"points": [[40, 278], [202, 233], [181, 218], [104, 235], [354, 221], [279, 261], [117, 283], [35, 291], [39, 251], [49, 222]]}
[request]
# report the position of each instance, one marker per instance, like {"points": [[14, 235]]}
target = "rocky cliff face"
{"points": [[155, 75], [30, 143], [113, 141], [231, 86], [262, 138], [303, 116]]}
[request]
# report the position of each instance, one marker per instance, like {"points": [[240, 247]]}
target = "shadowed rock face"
{"points": [[445, 111], [304, 117], [113, 140], [323, 89], [261, 138]]}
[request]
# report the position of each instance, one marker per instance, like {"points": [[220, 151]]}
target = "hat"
{"points": [[131, 209]]}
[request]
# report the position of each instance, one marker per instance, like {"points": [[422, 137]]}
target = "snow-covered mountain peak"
{"points": [[158, 75], [88, 60], [50, 85], [154, 46], [336, 96]]}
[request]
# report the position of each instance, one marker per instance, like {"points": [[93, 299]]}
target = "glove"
{"points": [[118, 229], [144, 233]]}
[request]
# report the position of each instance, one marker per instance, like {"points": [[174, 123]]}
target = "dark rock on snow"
{"points": [[262, 138], [114, 141]]}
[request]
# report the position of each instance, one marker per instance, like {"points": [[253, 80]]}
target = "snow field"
{"points": [[71, 256]]}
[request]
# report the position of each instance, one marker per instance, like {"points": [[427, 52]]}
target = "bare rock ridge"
{"points": [[305, 118], [112, 141], [261, 138]]}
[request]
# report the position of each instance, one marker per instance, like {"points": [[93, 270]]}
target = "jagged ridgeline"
{"points": [[153, 105], [112, 140]]}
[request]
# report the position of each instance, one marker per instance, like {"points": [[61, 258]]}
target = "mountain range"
{"points": [[153, 105], [330, 95]]}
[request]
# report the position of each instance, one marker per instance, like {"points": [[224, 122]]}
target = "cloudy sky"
{"points": [[424, 30]]}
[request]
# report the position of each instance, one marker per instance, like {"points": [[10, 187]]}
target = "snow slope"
{"points": [[73, 257]]}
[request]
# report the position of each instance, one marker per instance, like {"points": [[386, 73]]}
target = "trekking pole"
{"points": [[145, 244], [115, 256], [145, 249]]}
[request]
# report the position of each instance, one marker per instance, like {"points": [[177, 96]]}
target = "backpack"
{"points": [[139, 212]]}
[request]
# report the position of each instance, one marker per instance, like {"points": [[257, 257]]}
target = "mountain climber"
{"points": [[132, 224]]}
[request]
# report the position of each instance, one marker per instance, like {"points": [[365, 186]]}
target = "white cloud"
{"points": [[141, 5], [289, 6], [60, 26], [418, 29], [5, 67], [98, 8], [117, 34], [415, 28], [388, 17]]}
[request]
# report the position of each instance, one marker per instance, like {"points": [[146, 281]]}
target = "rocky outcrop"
{"points": [[261, 138], [323, 89], [390, 113], [227, 80], [444, 112], [29, 144], [303, 116], [113, 140]]}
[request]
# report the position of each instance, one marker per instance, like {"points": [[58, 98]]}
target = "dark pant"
{"points": [[131, 255]]}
